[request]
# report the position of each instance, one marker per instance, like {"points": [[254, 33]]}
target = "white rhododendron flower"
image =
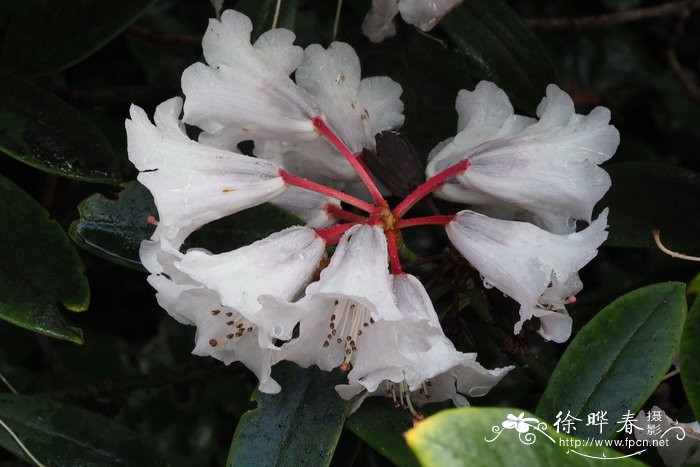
{"points": [[193, 184], [424, 14], [352, 294], [245, 91], [333, 293], [683, 445], [356, 109], [424, 365], [522, 260], [549, 167]]}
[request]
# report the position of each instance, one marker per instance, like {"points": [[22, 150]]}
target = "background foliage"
{"points": [[132, 394]]}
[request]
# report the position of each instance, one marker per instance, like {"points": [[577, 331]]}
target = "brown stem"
{"points": [[612, 19], [672, 57]]}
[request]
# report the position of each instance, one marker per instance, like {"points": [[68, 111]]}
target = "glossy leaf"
{"points": [[114, 229], [381, 425], [60, 434], [690, 358], [41, 130], [299, 426], [475, 436], [500, 48], [47, 36], [39, 269], [618, 359], [645, 196]]}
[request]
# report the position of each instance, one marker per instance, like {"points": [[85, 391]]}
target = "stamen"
{"points": [[152, 220], [346, 322]]}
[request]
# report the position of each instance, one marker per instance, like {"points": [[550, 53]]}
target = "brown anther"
{"points": [[371, 320], [336, 304], [332, 326], [213, 342], [333, 332], [429, 397], [229, 314], [230, 323], [365, 324], [229, 336], [359, 333], [215, 312], [348, 352], [339, 340], [332, 317], [250, 329], [352, 306], [330, 336], [349, 338], [326, 343], [239, 325]]}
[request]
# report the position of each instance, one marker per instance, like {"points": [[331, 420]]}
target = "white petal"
{"points": [[379, 22], [356, 110], [279, 265], [520, 259], [554, 325], [675, 451], [315, 160], [551, 167], [359, 271], [193, 184], [413, 300], [245, 93], [308, 206], [425, 14], [278, 47]]}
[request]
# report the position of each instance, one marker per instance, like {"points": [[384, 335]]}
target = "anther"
{"points": [[215, 312], [213, 342]]}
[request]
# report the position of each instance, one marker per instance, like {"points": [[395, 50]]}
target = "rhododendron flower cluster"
{"points": [[286, 297]]}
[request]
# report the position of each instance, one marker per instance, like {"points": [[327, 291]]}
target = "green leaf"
{"points": [[498, 45], [645, 196], [474, 436], [41, 130], [47, 36], [39, 268], [298, 426], [381, 425], [262, 14], [59, 434], [618, 359], [690, 358], [114, 229]]}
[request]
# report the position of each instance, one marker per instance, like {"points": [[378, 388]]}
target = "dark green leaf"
{"points": [[299, 426], [381, 425], [645, 196], [114, 229], [59, 434], [262, 14], [39, 269], [41, 130], [500, 48], [474, 436], [690, 358], [618, 359], [48, 36]]}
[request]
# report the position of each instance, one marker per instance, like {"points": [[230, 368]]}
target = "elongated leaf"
{"points": [[690, 358], [500, 48], [647, 195], [617, 360], [39, 269], [381, 425], [475, 436], [41, 130], [49, 36], [299, 426], [114, 229], [59, 434]]}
